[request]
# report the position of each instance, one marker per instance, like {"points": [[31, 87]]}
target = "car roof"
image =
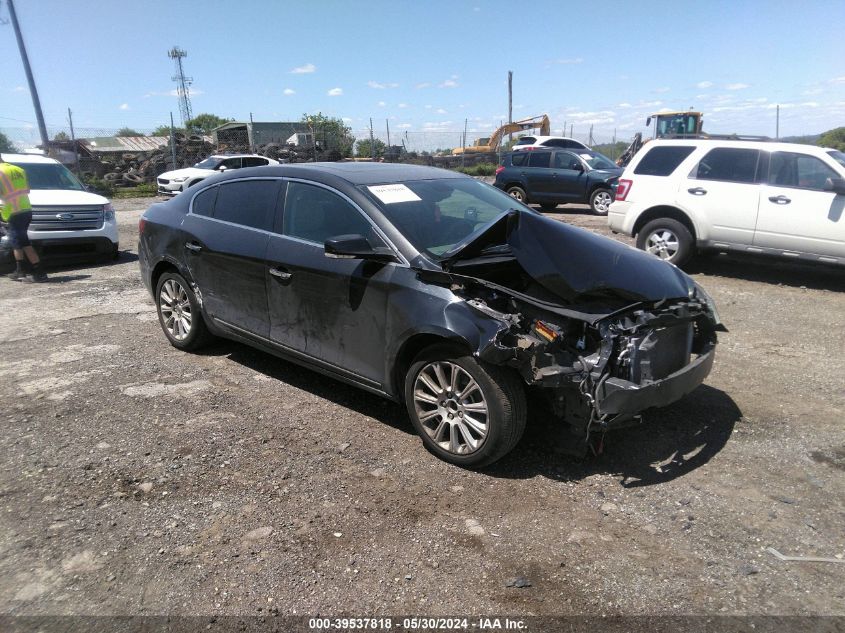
{"points": [[27, 158], [540, 139], [352, 173], [773, 146], [237, 156]]}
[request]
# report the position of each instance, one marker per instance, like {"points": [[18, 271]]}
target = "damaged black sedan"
{"points": [[432, 289]]}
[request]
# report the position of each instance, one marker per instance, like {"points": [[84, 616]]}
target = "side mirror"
{"points": [[837, 185], [578, 167], [222, 168], [356, 246]]}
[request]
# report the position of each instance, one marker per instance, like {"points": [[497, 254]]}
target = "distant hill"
{"points": [[807, 139]]}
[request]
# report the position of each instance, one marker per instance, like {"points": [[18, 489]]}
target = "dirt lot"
{"points": [[137, 479]]}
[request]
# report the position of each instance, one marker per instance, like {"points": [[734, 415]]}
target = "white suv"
{"points": [[546, 142], [173, 182], [782, 199], [67, 220]]}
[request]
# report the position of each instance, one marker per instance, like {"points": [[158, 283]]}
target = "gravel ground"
{"points": [[137, 479]]}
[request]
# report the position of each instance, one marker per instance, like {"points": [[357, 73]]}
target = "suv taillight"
{"points": [[623, 188], [142, 223], [500, 169]]}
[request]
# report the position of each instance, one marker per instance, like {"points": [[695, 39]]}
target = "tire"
{"points": [[668, 239], [196, 334], [600, 201], [518, 193], [498, 397], [548, 207]]}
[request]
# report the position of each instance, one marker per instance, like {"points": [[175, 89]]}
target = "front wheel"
{"points": [[467, 412], [179, 313], [518, 193], [668, 239], [600, 201]]}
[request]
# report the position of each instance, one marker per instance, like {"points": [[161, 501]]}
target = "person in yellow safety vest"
{"points": [[16, 214]]}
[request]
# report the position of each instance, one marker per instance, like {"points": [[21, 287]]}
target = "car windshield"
{"points": [[525, 140], [838, 156], [208, 163], [597, 161], [435, 215], [50, 176]]}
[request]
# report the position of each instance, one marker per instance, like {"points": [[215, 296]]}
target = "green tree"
{"points": [[333, 135], [164, 130], [362, 148], [61, 136], [127, 131], [834, 138], [6, 145], [204, 123]]}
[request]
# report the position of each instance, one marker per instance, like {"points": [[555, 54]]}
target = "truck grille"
{"points": [[66, 218]]}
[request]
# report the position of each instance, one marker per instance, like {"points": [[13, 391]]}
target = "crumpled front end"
{"points": [[601, 373]]}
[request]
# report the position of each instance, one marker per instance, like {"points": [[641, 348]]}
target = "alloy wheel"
{"points": [[601, 202], [451, 407], [663, 243], [175, 309]]}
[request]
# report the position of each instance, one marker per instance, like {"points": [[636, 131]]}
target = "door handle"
{"points": [[697, 191], [193, 247], [780, 199], [281, 274]]}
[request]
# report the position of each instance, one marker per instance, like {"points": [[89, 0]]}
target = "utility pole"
{"points": [[173, 142], [591, 137], [36, 102], [73, 140], [183, 85], [570, 130], [510, 102], [777, 123], [372, 141], [387, 123], [251, 135]]}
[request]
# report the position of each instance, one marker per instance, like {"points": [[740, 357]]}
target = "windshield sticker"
{"points": [[391, 194]]}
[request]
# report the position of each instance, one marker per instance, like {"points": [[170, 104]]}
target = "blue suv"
{"points": [[560, 176]]}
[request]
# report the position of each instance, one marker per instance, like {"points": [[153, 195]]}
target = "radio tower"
{"points": [[183, 84]]}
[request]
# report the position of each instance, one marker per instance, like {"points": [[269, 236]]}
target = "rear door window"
{"points": [[662, 161], [247, 202], [790, 169], [728, 164], [539, 159], [520, 159], [567, 160], [232, 163]]}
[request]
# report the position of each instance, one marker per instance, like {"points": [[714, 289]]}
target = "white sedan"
{"points": [[173, 182]]}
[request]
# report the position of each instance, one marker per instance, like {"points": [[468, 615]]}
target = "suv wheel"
{"points": [[518, 193], [600, 201], [179, 313], [669, 239], [467, 412]]}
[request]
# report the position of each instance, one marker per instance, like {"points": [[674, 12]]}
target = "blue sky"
{"points": [[429, 66]]}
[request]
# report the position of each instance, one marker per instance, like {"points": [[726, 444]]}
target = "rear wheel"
{"points": [[467, 412], [179, 313], [668, 239], [518, 193], [600, 201]]}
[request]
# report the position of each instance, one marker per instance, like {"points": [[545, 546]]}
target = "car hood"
{"points": [[64, 198], [187, 172], [607, 173], [575, 264]]}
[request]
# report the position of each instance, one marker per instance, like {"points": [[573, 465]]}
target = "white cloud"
{"points": [[661, 90], [380, 86], [335, 92], [623, 105], [403, 105], [303, 70], [476, 9], [123, 106], [567, 60], [737, 86], [347, 119], [441, 111], [404, 126], [704, 84], [381, 104], [813, 91], [428, 107], [18, 89], [424, 84], [289, 91], [449, 83], [837, 80]]}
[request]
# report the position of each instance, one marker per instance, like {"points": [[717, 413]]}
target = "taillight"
{"points": [[623, 188], [499, 169], [142, 223]]}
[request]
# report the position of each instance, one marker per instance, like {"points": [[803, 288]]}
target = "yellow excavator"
{"points": [[491, 143]]}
